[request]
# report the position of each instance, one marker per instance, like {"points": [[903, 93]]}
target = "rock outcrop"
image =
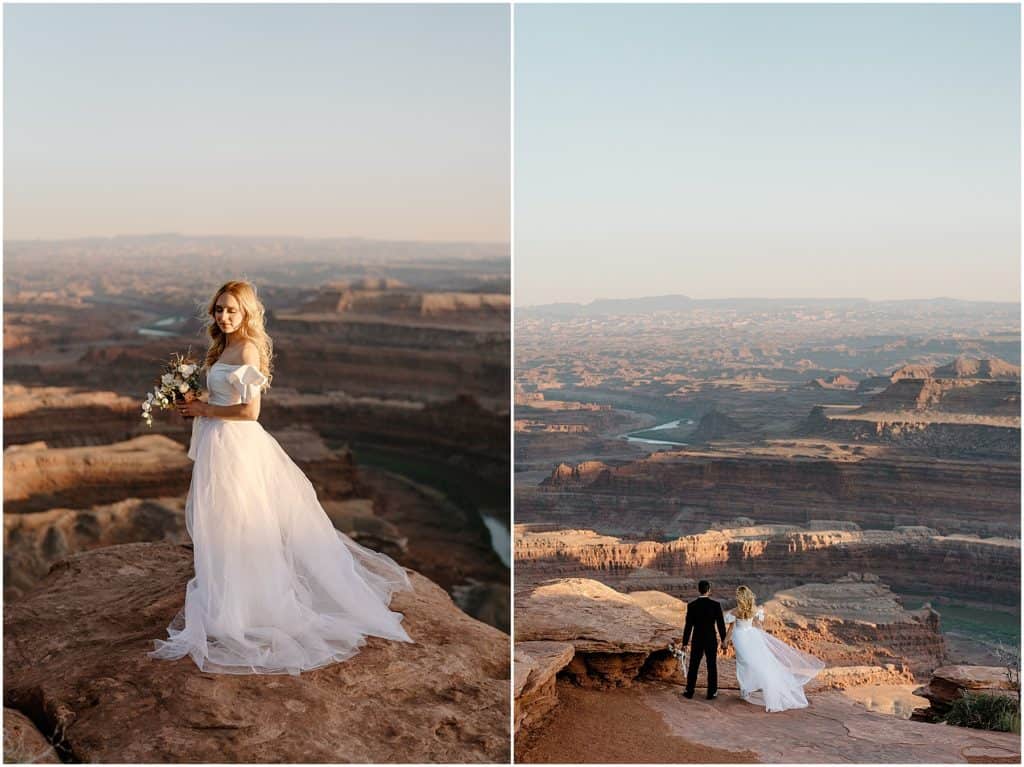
{"points": [[857, 621], [834, 382], [72, 416], [389, 298], [37, 478], [956, 395], [972, 367], [950, 682], [715, 425], [968, 408], [33, 542], [614, 636], [938, 436], [535, 668], [75, 663]]}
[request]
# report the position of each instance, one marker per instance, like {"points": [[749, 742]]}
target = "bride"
{"points": [[770, 672], [276, 589]]}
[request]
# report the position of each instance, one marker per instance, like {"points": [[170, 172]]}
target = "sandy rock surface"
{"points": [[833, 729], [75, 659]]}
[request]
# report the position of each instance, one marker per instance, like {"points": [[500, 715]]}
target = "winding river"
{"points": [[661, 427]]}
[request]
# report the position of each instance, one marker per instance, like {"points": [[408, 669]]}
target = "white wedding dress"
{"points": [[276, 589], [770, 672]]}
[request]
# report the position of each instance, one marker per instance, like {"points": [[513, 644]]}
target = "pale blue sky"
{"points": [[739, 150], [387, 121]]}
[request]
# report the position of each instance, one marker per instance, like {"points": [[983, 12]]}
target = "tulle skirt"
{"points": [[770, 672], [276, 589]]}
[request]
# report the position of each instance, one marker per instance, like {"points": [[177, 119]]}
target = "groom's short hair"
{"points": [[703, 587]]}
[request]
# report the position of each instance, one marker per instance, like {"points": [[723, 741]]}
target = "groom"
{"points": [[703, 616]]}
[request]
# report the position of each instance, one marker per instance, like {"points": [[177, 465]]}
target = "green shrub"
{"points": [[984, 711]]}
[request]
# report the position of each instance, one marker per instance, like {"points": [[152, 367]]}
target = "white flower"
{"points": [[166, 379], [183, 388], [146, 406], [188, 369]]}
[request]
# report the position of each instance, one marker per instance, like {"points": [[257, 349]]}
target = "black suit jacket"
{"points": [[703, 615]]}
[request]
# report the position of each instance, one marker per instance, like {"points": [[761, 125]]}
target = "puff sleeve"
{"points": [[729, 618], [247, 380]]}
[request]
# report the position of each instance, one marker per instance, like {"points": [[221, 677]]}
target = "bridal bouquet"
{"points": [[679, 653], [179, 381]]}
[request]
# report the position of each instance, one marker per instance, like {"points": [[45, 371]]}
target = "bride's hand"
{"points": [[192, 408]]}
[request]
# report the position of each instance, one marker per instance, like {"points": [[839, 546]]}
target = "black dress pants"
{"points": [[710, 652]]}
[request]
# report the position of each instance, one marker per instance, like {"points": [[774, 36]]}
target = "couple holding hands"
{"points": [[770, 672]]}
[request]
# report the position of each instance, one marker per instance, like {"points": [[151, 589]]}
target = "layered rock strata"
{"points": [[777, 556], [34, 414], [37, 478], [683, 491], [935, 435], [857, 621]]}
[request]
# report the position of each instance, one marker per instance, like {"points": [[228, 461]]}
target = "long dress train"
{"points": [[770, 672], [276, 589]]}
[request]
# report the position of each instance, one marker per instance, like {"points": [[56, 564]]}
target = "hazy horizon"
{"points": [[779, 299], [385, 122], [780, 150], [269, 236]]}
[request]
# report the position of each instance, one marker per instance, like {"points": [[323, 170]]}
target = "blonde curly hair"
{"points": [[252, 328], [745, 604]]}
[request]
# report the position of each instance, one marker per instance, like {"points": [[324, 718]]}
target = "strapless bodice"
{"points": [[230, 384], [744, 623]]}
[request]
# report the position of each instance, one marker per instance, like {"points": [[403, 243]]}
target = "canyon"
{"points": [[856, 463], [390, 390]]}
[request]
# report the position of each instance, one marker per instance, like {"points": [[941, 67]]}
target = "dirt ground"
{"points": [[613, 726]]}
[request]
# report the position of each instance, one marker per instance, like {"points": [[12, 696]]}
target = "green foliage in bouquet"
{"points": [[180, 380]]}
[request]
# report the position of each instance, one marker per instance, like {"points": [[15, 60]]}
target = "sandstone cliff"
{"points": [[785, 482], [935, 434], [777, 556], [857, 621], [37, 478]]}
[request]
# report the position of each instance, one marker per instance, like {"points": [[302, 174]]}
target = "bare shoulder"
{"points": [[251, 354]]}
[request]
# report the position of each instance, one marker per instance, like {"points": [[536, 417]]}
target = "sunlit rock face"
{"points": [[775, 556]]}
